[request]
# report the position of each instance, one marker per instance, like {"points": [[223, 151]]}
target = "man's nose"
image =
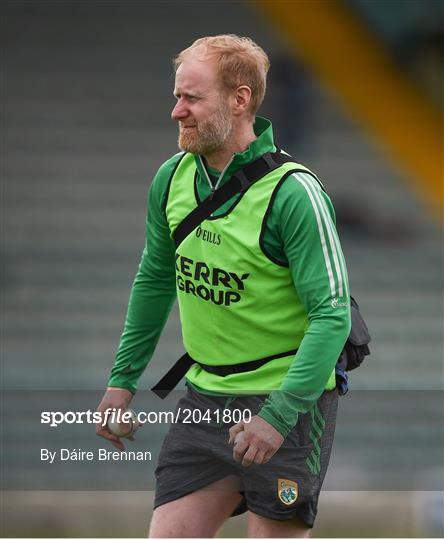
{"points": [[179, 111]]}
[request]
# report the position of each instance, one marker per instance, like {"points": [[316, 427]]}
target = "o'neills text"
{"points": [[208, 236]]}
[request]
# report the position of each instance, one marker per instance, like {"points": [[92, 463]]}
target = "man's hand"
{"points": [[256, 442], [114, 398]]}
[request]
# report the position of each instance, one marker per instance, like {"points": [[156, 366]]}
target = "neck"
{"points": [[238, 141]]}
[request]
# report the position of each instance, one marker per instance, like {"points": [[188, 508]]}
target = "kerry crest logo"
{"points": [[287, 491]]}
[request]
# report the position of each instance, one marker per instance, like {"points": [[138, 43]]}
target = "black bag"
{"points": [[356, 347]]}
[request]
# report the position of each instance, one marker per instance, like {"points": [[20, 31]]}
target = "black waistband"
{"points": [[175, 374], [225, 370]]}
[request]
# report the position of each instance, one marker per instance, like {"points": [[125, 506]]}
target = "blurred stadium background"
{"points": [[87, 90]]}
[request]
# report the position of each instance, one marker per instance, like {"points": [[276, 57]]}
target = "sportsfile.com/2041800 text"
{"points": [[181, 415]]}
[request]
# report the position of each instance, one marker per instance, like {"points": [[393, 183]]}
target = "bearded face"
{"points": [[204, 136]]}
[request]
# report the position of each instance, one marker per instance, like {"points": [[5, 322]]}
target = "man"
{"points": [[262, 286]]}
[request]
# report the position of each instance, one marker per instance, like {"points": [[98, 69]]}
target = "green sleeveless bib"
{"points": [[236, 305]]}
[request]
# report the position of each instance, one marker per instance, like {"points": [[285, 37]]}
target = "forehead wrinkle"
{"points": [[194, 78]]}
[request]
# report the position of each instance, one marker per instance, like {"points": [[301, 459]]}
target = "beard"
{"points": [[209, 134]]}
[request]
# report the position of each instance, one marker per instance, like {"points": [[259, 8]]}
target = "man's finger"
{"points": [[268, 455], [240, 448], [115, 441], [259, 457], [119, 445], [249, 456], [234, 430]]}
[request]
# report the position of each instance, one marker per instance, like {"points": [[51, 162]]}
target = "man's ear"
{"points": [[241, 100]]}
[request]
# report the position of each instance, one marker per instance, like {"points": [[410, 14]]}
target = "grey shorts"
{"points": [[196, 454]]}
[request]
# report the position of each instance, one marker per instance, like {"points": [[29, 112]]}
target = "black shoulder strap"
{"points": [[240, 181]]}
